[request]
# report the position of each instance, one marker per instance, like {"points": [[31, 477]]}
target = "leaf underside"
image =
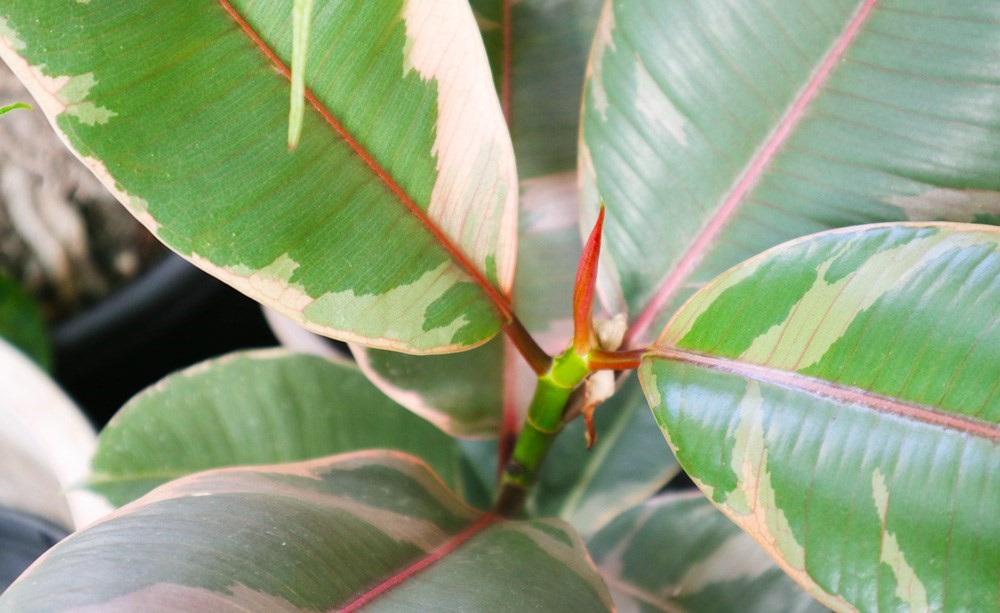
{"points": [[709, 565], [375, 529], [713, 131]]}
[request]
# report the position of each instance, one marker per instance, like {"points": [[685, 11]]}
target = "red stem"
{"points": [[534, 355], [599, 359]]}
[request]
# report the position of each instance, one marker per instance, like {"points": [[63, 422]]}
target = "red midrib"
{"points": [[735, 198], [451, 545], [827, 389], [499, 301]]}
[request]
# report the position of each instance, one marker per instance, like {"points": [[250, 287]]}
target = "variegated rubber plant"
{"points": [[833, 388]]}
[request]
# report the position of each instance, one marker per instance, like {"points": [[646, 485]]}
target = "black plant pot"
{"points": [[23, 538], [173, 316]]}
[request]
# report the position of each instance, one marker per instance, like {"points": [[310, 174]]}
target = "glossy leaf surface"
{"points": [[678, 553], [715, 130], [371, 528], [839, 398], [538, 51], [259, 407], [393, 222]]}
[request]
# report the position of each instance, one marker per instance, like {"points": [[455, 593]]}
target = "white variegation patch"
{"points": [[273, 283], [737, 558], [174, 597], [752, 503], [345, 315], [73, 92], [959, 205], [612, 562], [389, 318], [52, 95], [424, 534], [56, 95], [474, 200], [603, 41], [685, 319], [656, 108], [269, 284], [822, 316], [8, 38], [549, 203], [417, 403], [909, 588]]}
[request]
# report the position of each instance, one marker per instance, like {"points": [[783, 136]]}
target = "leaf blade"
{"points": [[810, 454], [753, 127], [396, 222], [538, 51], [342, 525], [258, 407], [709, 564]]}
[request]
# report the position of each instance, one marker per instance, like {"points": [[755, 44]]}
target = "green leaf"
{"points": [[370, 528], [678, 553], [21, 323], [538, 65], [261, 407], [714, 131], [394, 221], [628, 464], [457, 393], [538, 51], [837, 398]]}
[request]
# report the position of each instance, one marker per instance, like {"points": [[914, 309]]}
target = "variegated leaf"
{"points": [[538, 51], [394, 221], [628, 464], [261, 407], [678, 553], [839, 398], [370, 529], [714, 130]]}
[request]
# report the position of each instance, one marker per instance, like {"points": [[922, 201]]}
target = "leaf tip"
{"points": [[583, 289]]}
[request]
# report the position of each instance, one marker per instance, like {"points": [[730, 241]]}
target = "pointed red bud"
{"points": [[583, 290]]}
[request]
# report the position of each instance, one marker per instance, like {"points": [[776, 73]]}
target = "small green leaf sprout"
{"points": [[11, 107]]}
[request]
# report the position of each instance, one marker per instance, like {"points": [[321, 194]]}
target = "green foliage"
{"points": [[21, 323], [832, 389]]}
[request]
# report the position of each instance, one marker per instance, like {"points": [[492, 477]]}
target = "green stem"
{"points": [[543, 423]]}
